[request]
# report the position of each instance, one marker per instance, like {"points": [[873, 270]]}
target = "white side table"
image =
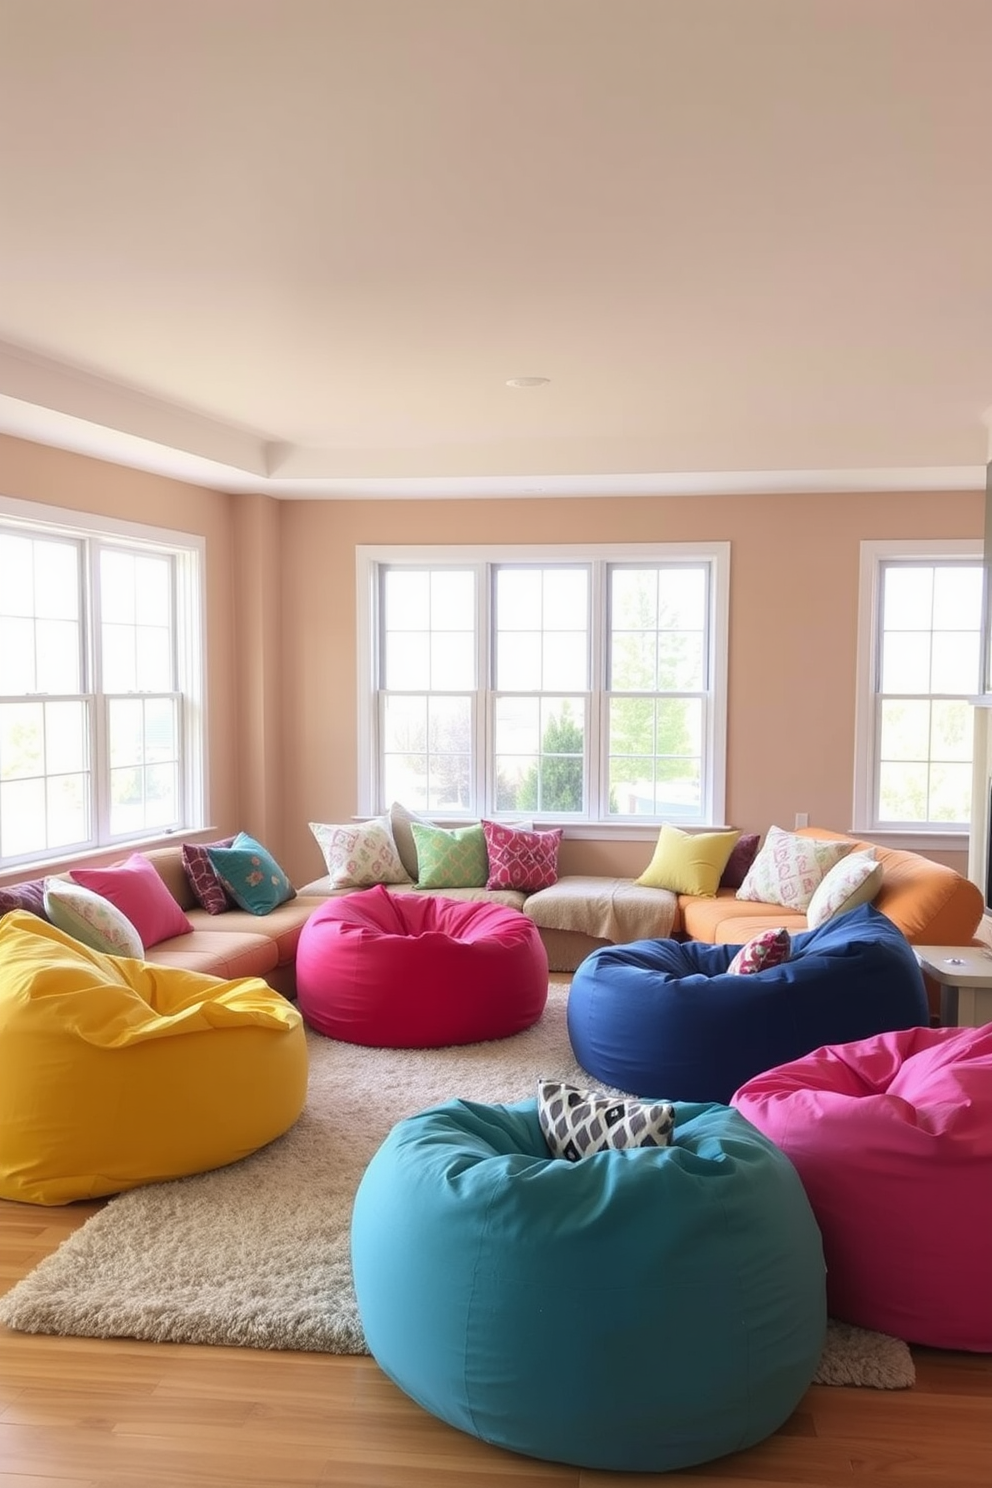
{"points": [[964, 974]]}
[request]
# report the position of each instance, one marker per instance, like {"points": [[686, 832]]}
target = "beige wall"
{"points": [[281, 629], [793, 634]]}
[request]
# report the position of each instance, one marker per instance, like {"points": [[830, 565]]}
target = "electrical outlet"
{"points": [[802, 818]]}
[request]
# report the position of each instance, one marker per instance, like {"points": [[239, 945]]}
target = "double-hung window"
{"points": [[919, 665], [101, 712], [572, 685]]}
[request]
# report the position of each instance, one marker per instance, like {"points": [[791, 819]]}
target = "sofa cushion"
{"points": [[789, 867], [91, 919], [204, 880], [359, 855], [450, 859], [855, 880], [744, 852], [251, 875], [520, 859], [688, 862], [138, 890]]}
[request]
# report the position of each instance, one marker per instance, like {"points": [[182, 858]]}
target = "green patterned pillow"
{"points": [[455, 859]]}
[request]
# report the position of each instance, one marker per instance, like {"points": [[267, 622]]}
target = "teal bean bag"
{"points": [[637, 1310]]}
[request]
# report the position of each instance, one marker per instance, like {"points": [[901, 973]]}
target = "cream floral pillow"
{"points": [[855, 880], [789, 868], [360, 854]]}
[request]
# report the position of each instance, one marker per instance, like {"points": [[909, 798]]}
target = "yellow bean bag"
{"points": [[115, 1073]]}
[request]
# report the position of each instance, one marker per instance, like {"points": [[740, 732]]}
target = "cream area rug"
{"points": [[257, 1254]]}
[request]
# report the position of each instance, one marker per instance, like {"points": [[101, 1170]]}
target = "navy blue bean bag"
{"points": [[663, 1018], [637, 1310]]}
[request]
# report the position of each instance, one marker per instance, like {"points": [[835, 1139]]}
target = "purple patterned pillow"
{"points": [[744, 853], [30, 896], [204, 880]]}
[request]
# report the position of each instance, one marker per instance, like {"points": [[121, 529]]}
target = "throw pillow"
{"points": [[400, 821], [91, 919], [788, 868], [519, 859], [29, 896], [360, 854], [577, 1123], [136, 889], [742, 855], [689, 862], [454, 859], [855, 880], [766, 949], [251, 875], [204, 882]]}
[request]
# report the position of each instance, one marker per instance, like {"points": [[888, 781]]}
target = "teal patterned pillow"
{"points": [[455, 859], [251, 875]]}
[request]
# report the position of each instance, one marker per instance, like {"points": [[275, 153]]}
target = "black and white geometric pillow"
{"points": [[579, 1122]]}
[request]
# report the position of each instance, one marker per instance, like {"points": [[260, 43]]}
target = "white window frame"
{"points": [[874, 554], [369, 558], [189, 553]]}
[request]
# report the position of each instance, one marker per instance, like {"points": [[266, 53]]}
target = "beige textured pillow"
{"points": [[789, 868], [855, 880]]}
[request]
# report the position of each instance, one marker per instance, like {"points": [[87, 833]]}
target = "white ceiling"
{"points": [[299, 246]]}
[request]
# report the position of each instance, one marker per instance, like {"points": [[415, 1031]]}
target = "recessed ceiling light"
{"points": [[527, 381]]}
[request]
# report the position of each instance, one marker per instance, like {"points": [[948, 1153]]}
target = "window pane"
{"points": [[681, 662], [67, 798], [407, 599], [540, 754], [153, 659], [955, 665], [565, 658], [16, 575], [23, 828], [950, 793], [542, 629], [518, 661], [907, 601], [952, 731], [153, 591], [65, 737], [905, 730], [906, 661], [56, 580], [17, 672], [119, 669], [143, 739], [452, 597], [58, 656], [117, 588], [519, 599], [902, 792], [957, 597], [635, 661], [655, 756], [125, 732], [427, 756], [22, 740], [452, 660], [407, 659]]}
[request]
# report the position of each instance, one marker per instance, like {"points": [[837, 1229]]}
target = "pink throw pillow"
{"points": [[135, 887], [521, 860], [766, 949], [204, 880]]}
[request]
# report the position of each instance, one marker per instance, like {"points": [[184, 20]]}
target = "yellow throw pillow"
{"points": [[689, 862]]}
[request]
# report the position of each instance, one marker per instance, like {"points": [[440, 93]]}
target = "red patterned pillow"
{"points": [[766, 949], [204, 880], [521, 860]]}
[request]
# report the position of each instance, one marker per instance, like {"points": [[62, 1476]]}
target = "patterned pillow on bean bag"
{"points": [[766, 949], [577, 1123]]}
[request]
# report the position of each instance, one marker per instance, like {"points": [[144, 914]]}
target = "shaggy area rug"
{"points": [[257, 1254]]}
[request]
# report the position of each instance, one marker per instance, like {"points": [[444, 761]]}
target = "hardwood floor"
{"points": [[91, 1413]]}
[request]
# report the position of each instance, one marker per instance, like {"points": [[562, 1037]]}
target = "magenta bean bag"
{"points": [[892, 1138], [411, 971]]}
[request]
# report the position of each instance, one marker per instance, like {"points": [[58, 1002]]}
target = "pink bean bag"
{"points": [[405, 971], [892, 1138]]}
